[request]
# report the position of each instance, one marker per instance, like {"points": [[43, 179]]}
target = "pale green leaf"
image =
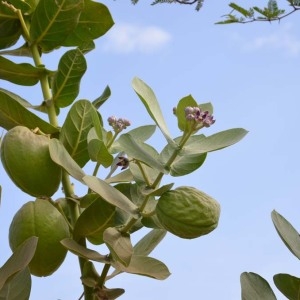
{"points": [[255, 287], [149, 242], [150, 102], [111, 195], [145, 266], [119, 245], [135, 149], [84, 252], [94, 220], [66, 81], [19, 260], [60, 156], [17, 288], [180, 110], [288, 234]]}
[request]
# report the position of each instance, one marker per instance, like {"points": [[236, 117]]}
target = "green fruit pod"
{"points": [[188, 212], [25, 157], [41, 219]]}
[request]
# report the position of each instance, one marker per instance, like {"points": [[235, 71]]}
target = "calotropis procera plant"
{"points": [[39, 156]]}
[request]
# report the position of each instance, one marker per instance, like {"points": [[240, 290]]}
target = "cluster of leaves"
{"points": [[256, 287], [269, 13], [115, 207], [199, 3]]}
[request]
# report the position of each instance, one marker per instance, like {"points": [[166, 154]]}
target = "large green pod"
{"points": [[25, 157], [41, 219], [188, 212]]}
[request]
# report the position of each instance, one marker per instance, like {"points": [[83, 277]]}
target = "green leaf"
{"points": [[18, 288], [95, 20], [145, 266], [75, 130], [189, 159], [102, 98], [135, 149], [21, 74], [255, 287], [119, 245], [53, 21], [150, 102], [140, 134], [66, 81], [19, 260], [125, 176], [94, 220], [180, 110], [241, 10], [24, 50], [216, 141], [149, 242], [10, 32], [98, 152], [12, 114], [84, 252], [60, 156], [288, 234], [157, 191], [111, 195], [288, 285]]}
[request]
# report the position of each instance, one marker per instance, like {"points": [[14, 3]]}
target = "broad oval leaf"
{"points": [[53, 21], [75, 130], [19, 260], [66, 81], [150, 102], [119, 245], [17, 288], [84, 252], [98, 152], [94, 220], [255, 287], [12, 114], [111, 195], [94, 21], [60, 155], [145, 266], [287, 233], [288, 285], [21, 74]]}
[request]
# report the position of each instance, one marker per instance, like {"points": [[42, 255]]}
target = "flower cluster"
{"points": [[118, 124], [201, 117]]}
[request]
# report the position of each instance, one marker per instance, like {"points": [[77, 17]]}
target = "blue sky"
{"points": [[250, 74]]}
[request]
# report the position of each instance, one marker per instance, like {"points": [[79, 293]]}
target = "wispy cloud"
{"points": [[127, 38], [282, 39]]}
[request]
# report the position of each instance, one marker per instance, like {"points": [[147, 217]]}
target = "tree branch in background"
{"points": [[254, 14], [198, 3]]}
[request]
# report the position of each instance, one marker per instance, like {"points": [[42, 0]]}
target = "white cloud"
{"points": [[282, 39], [126, 38]]}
